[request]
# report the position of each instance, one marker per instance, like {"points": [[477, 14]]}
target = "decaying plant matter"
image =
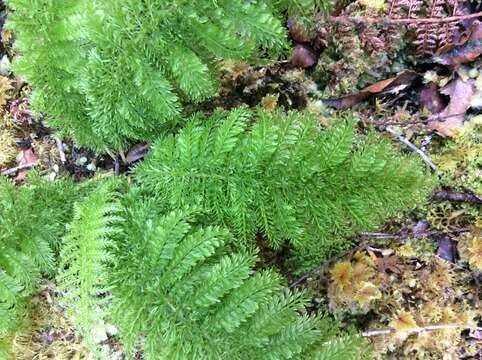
{"points": [[419, 302], [433, 26], [429, 37]]}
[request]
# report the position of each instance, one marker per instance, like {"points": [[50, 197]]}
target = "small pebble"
{"points": [[82, 160], [473, 73], [303, 56], [111, 330], [5, 66]]}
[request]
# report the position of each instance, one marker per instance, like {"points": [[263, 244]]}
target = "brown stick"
{"points": [[417, 331], [446, 195], [116, 166], [384, 20], [409, 235], [60, 146], [415, 121]]}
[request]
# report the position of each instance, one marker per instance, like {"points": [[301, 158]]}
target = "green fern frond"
{"points": [[195, 301], [111, 72], [242, 303], [283, 175], [84, 259], [32, 222], [221, 278]]}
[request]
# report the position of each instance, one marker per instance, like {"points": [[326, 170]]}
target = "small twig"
{"points": [[392, 331], [116, 166], [60, 146], [385, 20], [404, 140], [123, 157], [410, 235], [17, 168], [416, 121], [378, 235], [416, 330], [446, 195]]}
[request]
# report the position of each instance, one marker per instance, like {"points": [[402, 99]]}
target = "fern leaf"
{"points": [[84, 258], [228, 274], [217, 307], [245, 301], [283, 176], [111, 72]]}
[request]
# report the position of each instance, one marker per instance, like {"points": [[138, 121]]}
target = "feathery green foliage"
{"points": [[32, 219], [113, 71], [285, 176], [176, 287], [84, 260]]}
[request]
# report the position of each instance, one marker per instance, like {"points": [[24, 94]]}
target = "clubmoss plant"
{"points": [[179, 293], [114, 71], [284, 176]]}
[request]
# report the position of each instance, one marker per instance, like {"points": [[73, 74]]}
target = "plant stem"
{"points": [[17, 168]]}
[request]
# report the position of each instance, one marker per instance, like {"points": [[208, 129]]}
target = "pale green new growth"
{"points": [[84, 262]]}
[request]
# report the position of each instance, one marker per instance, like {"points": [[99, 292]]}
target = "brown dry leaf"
{"points": [[388, 86], [403, 323], [137, 152], [367, 292], [342, 274], [451, 119], [431, 99], [304, 56], [466, 53], [389, 263], [27, 157], [465, 49]]}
